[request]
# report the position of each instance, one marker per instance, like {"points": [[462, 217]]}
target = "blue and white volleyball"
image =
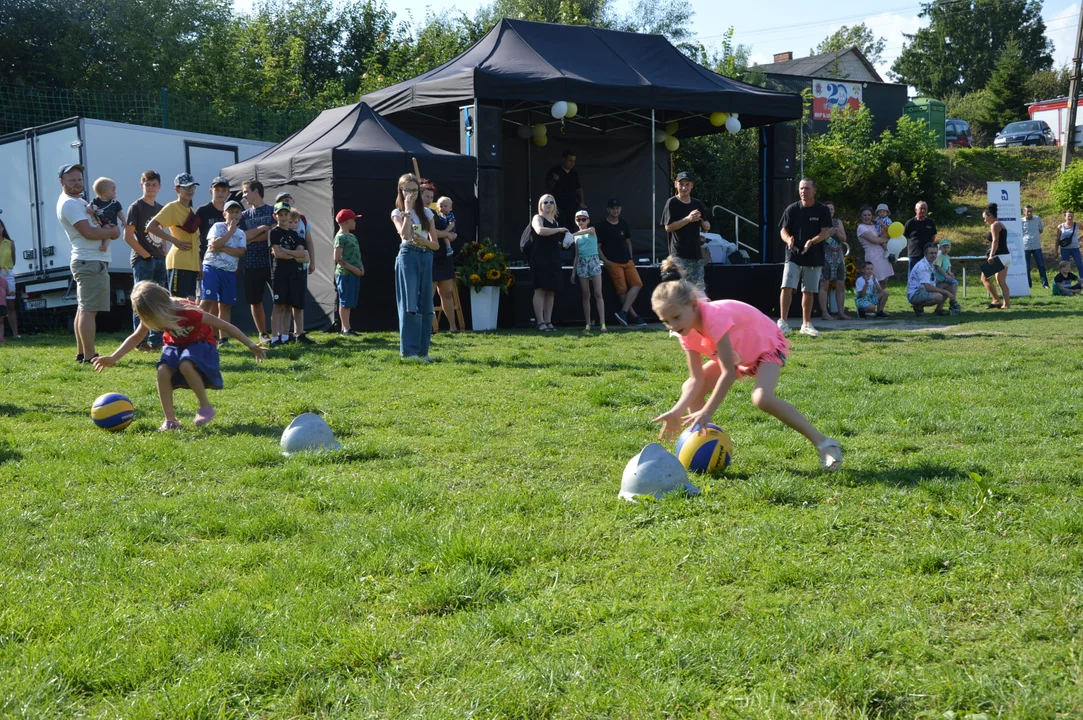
{"points": [[112, 412], [705, 450]]}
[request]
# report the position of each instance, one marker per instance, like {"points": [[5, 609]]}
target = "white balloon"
{"points": [[560, 109], [659, 136], [524, 131], [896, 245], [733, 124], [734, 115]]}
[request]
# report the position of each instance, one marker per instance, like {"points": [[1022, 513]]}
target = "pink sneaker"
{"points": [[204, 416], [169, 425]]}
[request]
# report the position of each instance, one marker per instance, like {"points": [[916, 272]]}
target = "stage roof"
{"points": [[519, 60], [352, 141]]}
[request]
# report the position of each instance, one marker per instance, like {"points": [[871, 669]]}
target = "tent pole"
{"points": [[654, 192]]}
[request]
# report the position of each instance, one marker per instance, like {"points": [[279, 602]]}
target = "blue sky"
{"points": [[799, 28]]}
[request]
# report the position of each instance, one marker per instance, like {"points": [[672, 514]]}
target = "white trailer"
{"points": [[30, 190]]}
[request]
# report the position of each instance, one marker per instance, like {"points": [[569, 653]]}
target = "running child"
{"points": [[587, 264], [189, 353], [739, 341]]}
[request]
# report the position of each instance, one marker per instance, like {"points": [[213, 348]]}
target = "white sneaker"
{"points": [[809, 330], [783, 326]]}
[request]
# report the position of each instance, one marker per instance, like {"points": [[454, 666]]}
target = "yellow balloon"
{"points": [[718, 119], [541, 140], [572, 110], [672, 143], [672, 127], [895, 230], [539, 130]]}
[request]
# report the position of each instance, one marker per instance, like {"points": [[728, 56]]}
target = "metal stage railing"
{"points": [[737, 227]]}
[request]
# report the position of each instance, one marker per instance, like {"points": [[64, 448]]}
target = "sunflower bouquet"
{"points": [[482, 264]]}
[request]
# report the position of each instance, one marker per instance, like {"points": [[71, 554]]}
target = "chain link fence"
{"points": [[23, 107]]}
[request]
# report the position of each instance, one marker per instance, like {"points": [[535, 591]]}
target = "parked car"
{"points": [[1025, 132], [957, 133]]}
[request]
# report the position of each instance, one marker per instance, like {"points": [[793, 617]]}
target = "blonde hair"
{"points": [[543, 198], [295, 215], [155, 307], [419, 206], [103, 183], [442, 198], [674, 289]]}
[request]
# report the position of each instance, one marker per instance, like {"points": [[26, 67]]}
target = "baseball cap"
{"points": [[684, 176], [232, 204], [882, 206], [613, 202], [345, 214], [281, 195], [68, 168], [184, 180], [279, 207], [943, 242], [582, 213], [220, 181]]}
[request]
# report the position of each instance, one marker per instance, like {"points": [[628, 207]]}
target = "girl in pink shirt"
{"points": [[739, 341]]}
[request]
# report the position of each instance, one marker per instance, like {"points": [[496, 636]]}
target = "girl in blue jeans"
{"points": [[413, 268]]}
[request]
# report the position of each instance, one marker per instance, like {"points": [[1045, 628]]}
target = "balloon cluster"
{"points": [[731, 121], [561, 110], [897, 242]]}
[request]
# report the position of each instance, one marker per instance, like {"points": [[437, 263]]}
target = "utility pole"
{"points": [[1073, 96]]}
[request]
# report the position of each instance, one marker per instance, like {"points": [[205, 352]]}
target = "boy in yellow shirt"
{"points": [[182, 263]]}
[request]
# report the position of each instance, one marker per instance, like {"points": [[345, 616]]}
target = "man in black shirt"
{"points": [[563, 183], [148, 251], [804, 226], [615, 239], [212, 213], [919, 231], [683, 219]]}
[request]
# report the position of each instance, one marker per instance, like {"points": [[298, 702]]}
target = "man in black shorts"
{"points": [[256, 222], [289, 253]]}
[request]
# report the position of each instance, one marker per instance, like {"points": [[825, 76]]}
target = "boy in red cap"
{"points": [[348, 267]]}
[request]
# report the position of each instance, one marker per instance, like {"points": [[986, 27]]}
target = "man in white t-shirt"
{"points": [[89, 264], [921, 289]]}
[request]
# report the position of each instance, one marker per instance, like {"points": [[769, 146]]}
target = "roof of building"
{"points": [[830, 65]]}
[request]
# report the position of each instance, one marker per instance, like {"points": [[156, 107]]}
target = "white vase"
{"points": [[484, 302]]}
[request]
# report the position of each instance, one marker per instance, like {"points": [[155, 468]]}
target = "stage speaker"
{"points": [[778, 187], [481, 134], [491, 208]]}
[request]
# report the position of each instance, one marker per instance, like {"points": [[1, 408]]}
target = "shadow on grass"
{"points": [[8, 452], [253, 429], [11, 410], [902, 475]]}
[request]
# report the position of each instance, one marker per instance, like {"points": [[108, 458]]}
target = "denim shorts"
{"points": [[349, 287]]}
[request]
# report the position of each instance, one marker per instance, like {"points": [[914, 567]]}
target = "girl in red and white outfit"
{"points": [[189, 351], [739, 341]]}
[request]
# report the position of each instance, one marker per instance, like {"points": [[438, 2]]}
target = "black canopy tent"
{"points": [[350, 157], [626, 85]]}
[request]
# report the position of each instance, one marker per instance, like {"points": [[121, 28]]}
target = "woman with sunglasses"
{"points": [[547, 237], [413, 269]]}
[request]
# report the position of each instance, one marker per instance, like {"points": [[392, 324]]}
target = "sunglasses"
{"points": [[582, 219], [407, 188], [547, 202]]}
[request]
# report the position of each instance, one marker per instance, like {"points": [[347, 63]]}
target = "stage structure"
{"points": [[350, 157], [631, 90]]}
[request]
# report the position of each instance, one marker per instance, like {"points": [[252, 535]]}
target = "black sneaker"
{"points": [[223, 342], [919, 310], [79, 358], [622, 317], [264, 339], [349, 333], [275, 343], [304, 339], [638, 321]]}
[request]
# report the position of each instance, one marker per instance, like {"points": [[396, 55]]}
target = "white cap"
{"points": [[654, 471], [882, 206], [308, 432]]}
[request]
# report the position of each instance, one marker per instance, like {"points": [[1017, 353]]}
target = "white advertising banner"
{"points": [[1010, 214]]}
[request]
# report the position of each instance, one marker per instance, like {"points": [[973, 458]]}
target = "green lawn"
{"points": [[466, 555]]}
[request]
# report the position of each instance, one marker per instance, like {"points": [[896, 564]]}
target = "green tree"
{"points": [[848, 36], [1067, 188], [959, 48], [670, 18], [1049, 84], [1006, 93], [565, 12], [969, 107]]}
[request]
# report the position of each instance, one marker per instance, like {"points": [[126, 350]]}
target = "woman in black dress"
{"points": [[547, 238], [998, 249], [443, 267]]}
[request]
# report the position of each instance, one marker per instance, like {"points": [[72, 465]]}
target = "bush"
{"points": [[853, 169], [1067, 189], [726, 167]]}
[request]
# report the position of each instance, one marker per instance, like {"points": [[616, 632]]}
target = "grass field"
{"points": [[465, 554]]}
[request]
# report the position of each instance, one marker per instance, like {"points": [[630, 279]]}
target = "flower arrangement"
{"points": [[483, 264], [851, 274]]}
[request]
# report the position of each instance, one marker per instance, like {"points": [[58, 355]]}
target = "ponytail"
{"points": [[673, 288]]}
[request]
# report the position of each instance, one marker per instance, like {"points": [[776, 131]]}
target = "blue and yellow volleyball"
{"points": [[112, 412], [708, 451]]}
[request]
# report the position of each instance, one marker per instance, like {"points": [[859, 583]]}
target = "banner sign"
{"points": [[1010, 214], [828, 95]]}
